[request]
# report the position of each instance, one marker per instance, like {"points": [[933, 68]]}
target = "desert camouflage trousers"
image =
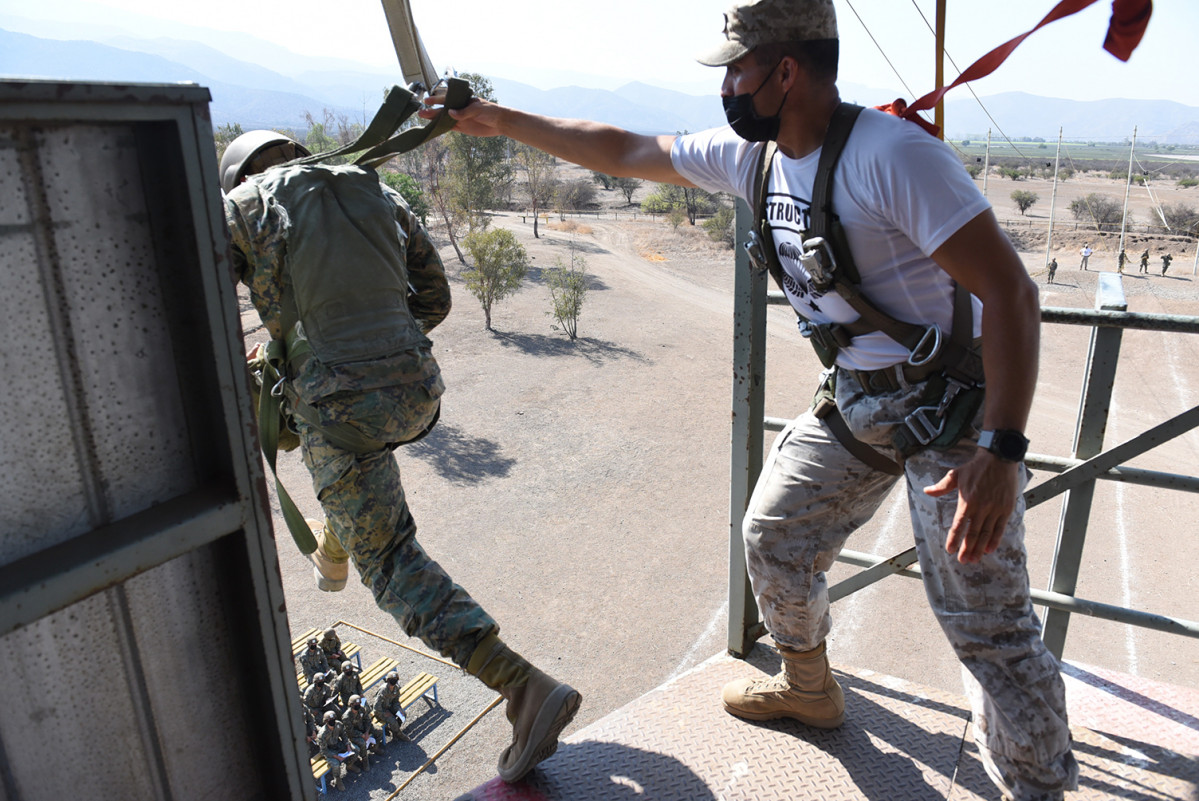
{"points": [[364, 505], [812, 494]]}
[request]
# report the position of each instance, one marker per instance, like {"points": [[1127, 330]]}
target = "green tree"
{"points": [[606, 181], [1100, 210], [720, 226], [628, 186], [574, 195], [223, 136], [568, 288], [1179, 218], [1024, 200], [499, 269], [540, 180], [477, 168], [410, 190], [1015, 173]]}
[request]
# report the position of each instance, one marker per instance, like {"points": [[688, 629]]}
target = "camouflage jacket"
{"points": [[388, 699], [258, 228], [357, 723], [317, 695], [331, 645], [331, 739], [347, 684], [313, 661]]}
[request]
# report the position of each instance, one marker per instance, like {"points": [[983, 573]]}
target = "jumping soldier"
{"points": [[911, 294], [1166, 259], [349, 285]]}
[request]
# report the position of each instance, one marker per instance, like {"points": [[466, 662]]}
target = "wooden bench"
{"points": [[319, 770], [419, 687], [377, 670]]}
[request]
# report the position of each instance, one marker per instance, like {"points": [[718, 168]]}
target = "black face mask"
{"points": [[745, 122]]}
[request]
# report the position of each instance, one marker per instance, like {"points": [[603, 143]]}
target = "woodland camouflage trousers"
{"points": [[812, 494], [364, 506]]}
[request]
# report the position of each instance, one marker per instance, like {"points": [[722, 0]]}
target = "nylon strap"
{"points": [[457, 95], [268, 434], [867, 454]]}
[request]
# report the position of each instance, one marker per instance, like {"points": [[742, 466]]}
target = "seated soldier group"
{"points": [[346, 736]]}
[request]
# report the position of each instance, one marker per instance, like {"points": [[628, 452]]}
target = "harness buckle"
{"points": [[819, 262], [277, 390], [925, 423], [756, 252], [918, 357]]}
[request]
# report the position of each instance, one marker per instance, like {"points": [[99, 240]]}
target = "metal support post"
{"points": [[748, 410], [1088, 441]]}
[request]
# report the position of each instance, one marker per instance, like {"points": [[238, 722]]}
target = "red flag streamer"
{"points": [[1127, 26]]}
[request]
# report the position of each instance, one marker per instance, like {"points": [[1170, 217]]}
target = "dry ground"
{"points": [[579, 490]]}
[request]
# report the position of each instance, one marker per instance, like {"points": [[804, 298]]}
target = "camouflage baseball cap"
{"points": [[758, 22]]}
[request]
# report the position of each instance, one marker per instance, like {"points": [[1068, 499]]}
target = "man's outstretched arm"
{"points": [[594, 145]]}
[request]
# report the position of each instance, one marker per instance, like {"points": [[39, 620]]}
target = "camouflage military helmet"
{"points": [[392, 677], [241, 157], [318, 678], [758, 22], [312, 642], [348, 667], [330, 633], [329, 717], [355, 700]]}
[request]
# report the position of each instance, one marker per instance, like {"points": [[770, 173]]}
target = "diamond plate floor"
{"points": [[1134, 739]]}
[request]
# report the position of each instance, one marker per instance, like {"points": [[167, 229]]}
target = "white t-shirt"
{"points": [[900, 194]]}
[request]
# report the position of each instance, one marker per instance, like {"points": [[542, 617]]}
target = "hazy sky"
{"points": [[548, 43]]}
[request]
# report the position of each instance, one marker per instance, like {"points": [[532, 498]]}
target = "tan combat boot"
{"points": [[804, 690], [330, 561], [539, 707]]}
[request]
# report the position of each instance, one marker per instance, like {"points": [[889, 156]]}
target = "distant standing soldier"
{"points": [[331, 645], [318, 697], [1166, 259], [313, 660], [387, 706], [1086, 254], [1052, 269], [347, 684], [336, 749], [1123, 257], [362, 733], [1145, 261]]}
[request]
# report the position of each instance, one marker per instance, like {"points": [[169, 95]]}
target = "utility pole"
{"points": [[1053, 197], [939, 111], [1127, 187], [987, 162]]}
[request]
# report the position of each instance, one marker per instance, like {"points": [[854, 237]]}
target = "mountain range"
{"points": [[255, 96]]}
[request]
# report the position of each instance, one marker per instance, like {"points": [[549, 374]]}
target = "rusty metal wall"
{"points": [[143, 641]]}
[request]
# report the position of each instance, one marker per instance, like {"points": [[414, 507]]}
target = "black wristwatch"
{"points": [[1007, 444]]}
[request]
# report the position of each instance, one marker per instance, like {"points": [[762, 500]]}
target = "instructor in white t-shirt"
{"points": [[916, 227]]}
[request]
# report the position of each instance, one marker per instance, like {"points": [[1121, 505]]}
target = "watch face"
{"points": [[1009, 445]]}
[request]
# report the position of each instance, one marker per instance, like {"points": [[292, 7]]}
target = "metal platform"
{"points": [[1134, 739]]}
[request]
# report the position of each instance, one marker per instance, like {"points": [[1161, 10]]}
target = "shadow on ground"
{"points": [[596, 351], [459, 458]]}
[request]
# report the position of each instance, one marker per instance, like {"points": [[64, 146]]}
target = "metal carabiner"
{"points": [[277, 390], [914, 358]]}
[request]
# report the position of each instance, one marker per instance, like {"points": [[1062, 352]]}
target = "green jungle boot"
{"points": [[805, 690]]}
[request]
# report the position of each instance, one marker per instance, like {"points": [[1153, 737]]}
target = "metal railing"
{"points": [[1076, 477]]}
